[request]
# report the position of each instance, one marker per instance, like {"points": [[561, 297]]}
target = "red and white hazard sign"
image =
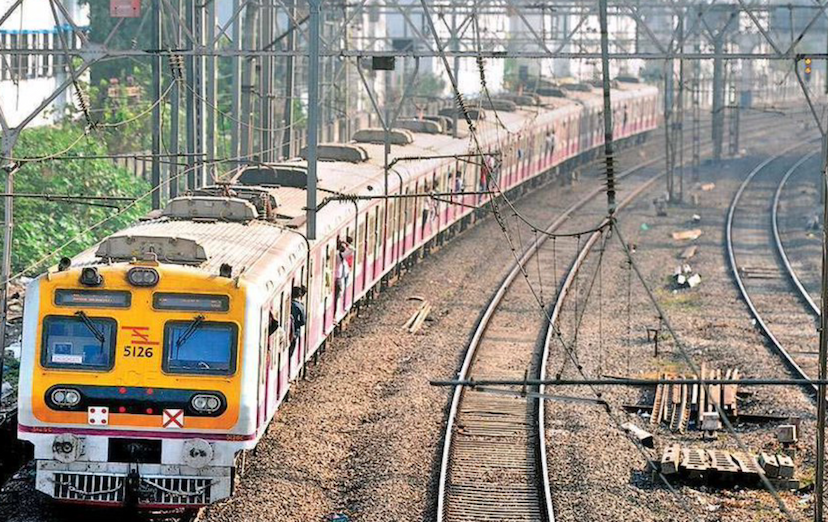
{"points": [[97, 415], [173, 419], [124, 8]]}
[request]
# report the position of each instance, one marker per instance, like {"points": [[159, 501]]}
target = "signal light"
{"points": [[807, 61]]}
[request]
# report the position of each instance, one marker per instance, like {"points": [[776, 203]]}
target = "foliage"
{"points": [[11, 371], [41, 225]]}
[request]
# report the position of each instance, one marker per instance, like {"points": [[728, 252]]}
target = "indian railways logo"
{"points": [[140, 343], [139, 335]]}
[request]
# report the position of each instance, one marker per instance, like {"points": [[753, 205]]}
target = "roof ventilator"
{"points": [[214, 208], [163, 248], [375, 135], [260, 197], [473, 112], [338, 152], [421, 126], [551, 92], [498, 104], [447, 123], [275, 175]]}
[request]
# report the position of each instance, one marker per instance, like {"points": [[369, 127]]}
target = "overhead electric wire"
{"points": [[500, 221]]}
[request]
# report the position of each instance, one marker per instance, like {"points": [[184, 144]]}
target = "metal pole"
{"points": [[246, 114], [265, 84], [290, 71], [192, 159], [236, 100], [455, 45], [156, 110], [669, 145], [718, 95], [210, 93], [175, 108], [5, 270], [819, 487], [313, 112], [605, 73]]}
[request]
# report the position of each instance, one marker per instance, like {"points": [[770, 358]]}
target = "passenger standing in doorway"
{"points": [[298, 316], [343, 271]]}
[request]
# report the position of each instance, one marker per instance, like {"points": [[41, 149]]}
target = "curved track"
{"points": [[758, 268], [494, 464], [777, 236]]}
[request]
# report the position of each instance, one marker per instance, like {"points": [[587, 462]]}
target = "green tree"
{"points": [[42, 225]]}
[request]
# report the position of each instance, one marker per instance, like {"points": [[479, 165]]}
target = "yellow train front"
{"points": [[134, 392]]}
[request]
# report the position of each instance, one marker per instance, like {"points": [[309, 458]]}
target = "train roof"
{"points": [[260, 241]]}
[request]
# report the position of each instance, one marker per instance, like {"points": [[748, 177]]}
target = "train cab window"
{"points": [[199, 347], [78, 342]]}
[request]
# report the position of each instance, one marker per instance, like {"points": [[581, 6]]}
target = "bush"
{"points": [[41, 225]]}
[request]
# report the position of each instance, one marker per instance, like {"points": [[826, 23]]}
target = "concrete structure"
{"points": [[26, 80]]}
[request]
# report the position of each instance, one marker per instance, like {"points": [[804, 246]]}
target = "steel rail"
{"points": [[734, 269], [481, 327], [477, 336], [551, 330], [777, 237]]}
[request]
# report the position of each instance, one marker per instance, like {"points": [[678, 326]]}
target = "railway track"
{"points": [[494, 464], [760, 266], [60, 515], [801, 287]]}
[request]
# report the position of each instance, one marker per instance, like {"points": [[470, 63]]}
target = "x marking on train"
{"points": [[138, 335], [173, 419]]}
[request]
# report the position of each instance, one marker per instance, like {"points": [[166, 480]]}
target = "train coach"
{"points": [[151, 361]]}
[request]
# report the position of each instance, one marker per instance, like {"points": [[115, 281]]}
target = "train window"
{"points": [[93, 298], [199, 347], [78, 342]]}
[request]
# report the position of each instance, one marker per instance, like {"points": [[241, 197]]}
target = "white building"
{"points": [[493, 31], [27, 80]]}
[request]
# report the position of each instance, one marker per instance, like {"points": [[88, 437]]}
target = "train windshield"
{"points": [[199, 347], [79, 342]]}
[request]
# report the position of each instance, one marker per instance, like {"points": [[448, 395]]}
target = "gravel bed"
{"points": [[363, 436], [596, 472]]}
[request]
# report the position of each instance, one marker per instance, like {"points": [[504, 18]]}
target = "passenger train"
{"points": [[153, 359]]}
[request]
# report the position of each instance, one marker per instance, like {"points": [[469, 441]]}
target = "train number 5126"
{"points": [[137, 351]]}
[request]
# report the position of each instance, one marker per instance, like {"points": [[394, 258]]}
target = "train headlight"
{"points": [[140, 276], [206, 403], [91, 277], [65, 397]]}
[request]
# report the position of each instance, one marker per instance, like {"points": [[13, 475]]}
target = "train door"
{"points": [[328, 288], [261, 385], [380, 239], [283, 343], [359, 256], [272, 356]]}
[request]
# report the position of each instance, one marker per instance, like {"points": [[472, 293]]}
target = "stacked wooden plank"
{"points": [[676, 404], [728, 467]]}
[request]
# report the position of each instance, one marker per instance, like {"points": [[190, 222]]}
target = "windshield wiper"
{"points": [[191, 329], [91, 326]]}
